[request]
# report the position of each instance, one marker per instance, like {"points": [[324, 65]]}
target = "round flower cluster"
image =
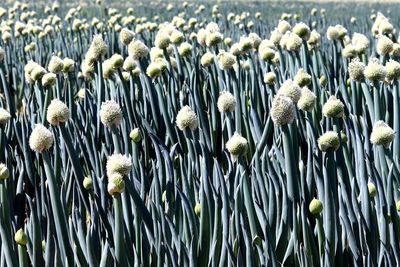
{"points": [[41, 139], [236, 145], [307, 100], [226, 60], [110, 113], [329, 141], [333, 108], [356, 70], [302, 78], [375, 71], [57, 112], [282, 110], [382, 134], [290, 89], [186, 119], [226, 102]]}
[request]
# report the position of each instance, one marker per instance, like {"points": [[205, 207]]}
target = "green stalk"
{"points": [[22, 257], [119, 235], [59, 215]]}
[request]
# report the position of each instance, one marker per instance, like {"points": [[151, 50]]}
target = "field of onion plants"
{"points": [[196, 136]]}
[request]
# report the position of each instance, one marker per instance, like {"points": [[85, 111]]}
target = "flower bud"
{"points": [[315, 206], [88, 183], [197, 209], [116, 184], [4, 173], [135, 135], [21, 238], [371, 190]]}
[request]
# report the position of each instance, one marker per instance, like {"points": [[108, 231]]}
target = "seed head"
{"points": [[57, 112], [48, 80], [110, 113], [207, 59], [118, 163], [356, 70], [137, 50], [185, 49], [302, 78], [213, 39], [307, 100], [236, 145], [382, 134], [129, 64], [294, 42], [333, 108], [186, 119], [283, 26], [374, 71], [384, 45], [329, 141], [270, 78], [282, 110], [126, 36], [226, 102], [117, 61], [226, 60], [68, 65], [41, 139], [153, 70], [302, 30], [290, 89], [56, 64], [98, 47], [162, 40], [392, 70]]}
